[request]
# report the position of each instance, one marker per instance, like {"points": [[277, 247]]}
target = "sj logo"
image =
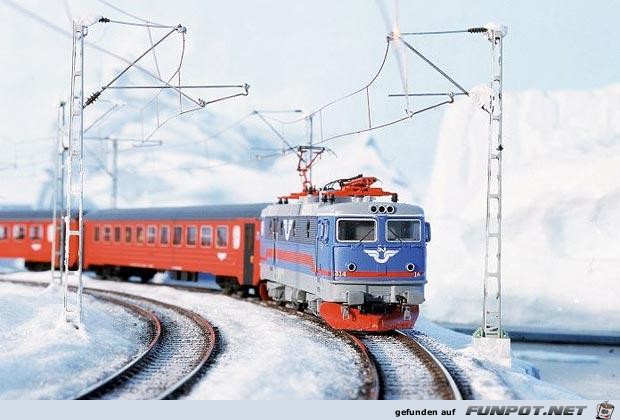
{"points": [[376, 254], [288, 226]]}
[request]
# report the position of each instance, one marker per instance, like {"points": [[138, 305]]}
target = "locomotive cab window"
{"points": [[221, 240], [19, 232], [403, 230], [3, 233], [357, 230], [36, 232]]}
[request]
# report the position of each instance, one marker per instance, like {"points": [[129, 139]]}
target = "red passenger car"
{"points": [[28, 234], [220, 240]]}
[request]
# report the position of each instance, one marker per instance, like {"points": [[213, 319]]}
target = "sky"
{"points": [[301, 55]]}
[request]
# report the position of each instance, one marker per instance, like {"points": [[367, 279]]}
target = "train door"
{"points": [[274, 236], [323, 249], [248, 253]]}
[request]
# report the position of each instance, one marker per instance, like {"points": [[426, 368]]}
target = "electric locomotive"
{"points": [[349, 252], [353, 257]]}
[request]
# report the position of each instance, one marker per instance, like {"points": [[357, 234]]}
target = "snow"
{"points": [[561, 245], [266, 354], [489, 380], [43, 357]]}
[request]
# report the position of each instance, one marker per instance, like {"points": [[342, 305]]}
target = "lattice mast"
{"points": [[74, 185], [492, 304], [58, 205]]}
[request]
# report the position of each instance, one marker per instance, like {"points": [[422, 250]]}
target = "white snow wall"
{"points": [[561, 211]]}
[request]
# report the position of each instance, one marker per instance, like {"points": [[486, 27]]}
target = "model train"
{"points": [[345, 252]]}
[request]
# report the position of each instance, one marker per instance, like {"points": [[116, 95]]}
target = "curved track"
{"points": [[370, 388], [184, 346], [407, 369], [394, 365], [460, 378]]}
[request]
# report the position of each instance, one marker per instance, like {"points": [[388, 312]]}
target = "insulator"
{"points": [[92, 98]]}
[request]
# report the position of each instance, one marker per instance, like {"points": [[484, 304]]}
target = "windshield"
{"points": [[403, 230], [357, 230]]}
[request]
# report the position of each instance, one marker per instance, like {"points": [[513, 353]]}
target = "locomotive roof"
{"points": [[25, 215], [224, 211], [351, 208]]}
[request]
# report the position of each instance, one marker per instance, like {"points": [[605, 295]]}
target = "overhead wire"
{"points": [[327, 105], [103, 50], [124, 12]]}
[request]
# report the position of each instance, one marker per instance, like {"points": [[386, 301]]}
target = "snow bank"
{"points": [[43, 357], [491, 381], [561, 256]]}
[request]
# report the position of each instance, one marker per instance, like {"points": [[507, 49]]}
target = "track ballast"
{"points": [[184, 346]]}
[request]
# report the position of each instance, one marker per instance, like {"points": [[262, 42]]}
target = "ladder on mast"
{"points": [[58, 234], [492, 326], [74, 185], [496, 341]]}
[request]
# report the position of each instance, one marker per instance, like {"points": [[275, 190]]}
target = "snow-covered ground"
{"points": [[44, 357], [266, 354], [272, 355], [490, 380]]}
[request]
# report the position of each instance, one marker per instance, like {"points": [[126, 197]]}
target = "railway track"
{"points": [[185, 344], [393, 365], [180, 346], [407, 370]]}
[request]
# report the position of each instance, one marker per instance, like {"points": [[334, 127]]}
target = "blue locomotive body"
{"points": [[357, 262]]}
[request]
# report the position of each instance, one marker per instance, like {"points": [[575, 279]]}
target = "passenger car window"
{"points": [[151, 234], [3, 233], [222, 237], [97, 233], [164, 234], [206, 236], [403, 230], [128, 234], [117, 233], [19, 232], [140, 234], [177, 235], [107, 233], [356, 230], [36, 232], [190, 238]]}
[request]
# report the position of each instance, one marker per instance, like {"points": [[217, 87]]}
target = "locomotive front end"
{"points": [[377, 255], [348, 253]]}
